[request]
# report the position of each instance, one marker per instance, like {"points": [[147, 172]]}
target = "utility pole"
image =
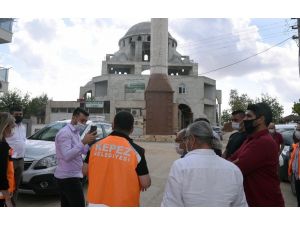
{"points": [[297, 37]]}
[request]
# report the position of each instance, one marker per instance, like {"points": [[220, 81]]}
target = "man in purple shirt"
{"points": [[69, 150]]}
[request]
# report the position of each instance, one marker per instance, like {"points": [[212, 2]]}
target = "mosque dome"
{"points": [[139, 29]]}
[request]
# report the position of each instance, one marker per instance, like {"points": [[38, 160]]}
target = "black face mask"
{"points": [[249, 127], [18, 119]]}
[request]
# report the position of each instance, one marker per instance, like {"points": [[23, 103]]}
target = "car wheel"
{"points": [[293, 187]]}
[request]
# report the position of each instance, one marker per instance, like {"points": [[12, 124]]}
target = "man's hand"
{"points": [[145, 182], [89, 138], [85, 168]]}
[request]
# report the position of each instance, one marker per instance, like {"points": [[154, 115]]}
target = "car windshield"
{"points": [[49, 132]]}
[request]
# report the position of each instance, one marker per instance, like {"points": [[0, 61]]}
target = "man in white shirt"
{"points": [[202, 178], [17, 143]]}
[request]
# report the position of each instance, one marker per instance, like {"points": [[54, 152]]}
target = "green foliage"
{"points": [[14, 98], [226, 115], [31, 107], [37, 106], [237, 102], [240, 102], [296, 108], [276, 108]]}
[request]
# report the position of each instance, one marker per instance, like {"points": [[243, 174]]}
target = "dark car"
{"points": [[285, 157]]}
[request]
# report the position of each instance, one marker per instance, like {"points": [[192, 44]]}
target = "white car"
{"points": [[40, 157]]}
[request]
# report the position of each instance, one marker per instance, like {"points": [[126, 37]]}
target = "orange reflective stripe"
{"points": [[292, 158], [10, 175], [113, 180]]}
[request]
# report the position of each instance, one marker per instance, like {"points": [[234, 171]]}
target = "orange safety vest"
{"points": [[10, 175], [292, 158], [112, 177]]}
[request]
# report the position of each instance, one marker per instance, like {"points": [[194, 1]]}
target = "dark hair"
{"points": [[15, 108], [79, 110], [123, 121], [201, 119], [262, 109], [236, 112]]}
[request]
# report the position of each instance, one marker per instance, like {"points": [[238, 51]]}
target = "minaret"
{"points": [[159, 93]]}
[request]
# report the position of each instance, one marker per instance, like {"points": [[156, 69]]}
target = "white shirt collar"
{"points": [[202, 151]]}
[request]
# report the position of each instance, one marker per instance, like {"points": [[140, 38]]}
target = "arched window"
{"points": [[149, 38], [139, 38], [181, 89]]}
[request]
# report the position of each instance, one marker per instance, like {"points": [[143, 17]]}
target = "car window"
{"points": [[99, 131], [107, 128], [48, 133]]}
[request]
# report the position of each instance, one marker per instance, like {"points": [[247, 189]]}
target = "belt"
{"points": [[17, 159]]}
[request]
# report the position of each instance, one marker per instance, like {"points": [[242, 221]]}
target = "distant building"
{"points": [[60, 110], [5, 37]]}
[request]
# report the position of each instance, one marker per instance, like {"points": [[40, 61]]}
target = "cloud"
{"points": [[57, 56], [214, 43]]}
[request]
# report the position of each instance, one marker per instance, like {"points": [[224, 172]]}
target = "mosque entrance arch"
{"points": [[185, 115]]}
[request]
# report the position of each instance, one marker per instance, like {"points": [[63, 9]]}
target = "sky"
{"points": [[58, 55]]}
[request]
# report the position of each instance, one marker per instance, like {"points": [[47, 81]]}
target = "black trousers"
{"points": [[71, 192], [2, 203], [297, 186], [18, 171]]}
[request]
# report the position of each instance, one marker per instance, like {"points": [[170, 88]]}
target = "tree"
{"points": [[277, 109], [14, 98], [296, 108], [31, 107], [240, 102], [226, 116], [37, 107], [237, 102]]}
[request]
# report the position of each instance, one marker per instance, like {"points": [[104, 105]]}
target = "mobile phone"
{"points": [[93, 129]]}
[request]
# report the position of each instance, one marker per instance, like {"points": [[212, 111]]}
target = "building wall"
{"points": [[200, 91], [59, 110]]}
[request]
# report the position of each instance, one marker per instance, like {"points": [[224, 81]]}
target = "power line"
{"points": [[227, 44], [232, 39], [232, 34], [223, 67]]}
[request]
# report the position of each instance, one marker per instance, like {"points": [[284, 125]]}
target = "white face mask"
{"points": [[79, 126], [235, 125], [297, 134], [179, 150], [272, 131]]}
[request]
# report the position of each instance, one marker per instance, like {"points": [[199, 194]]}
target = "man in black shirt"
{"points": [[116, 167], [236, 139]]}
